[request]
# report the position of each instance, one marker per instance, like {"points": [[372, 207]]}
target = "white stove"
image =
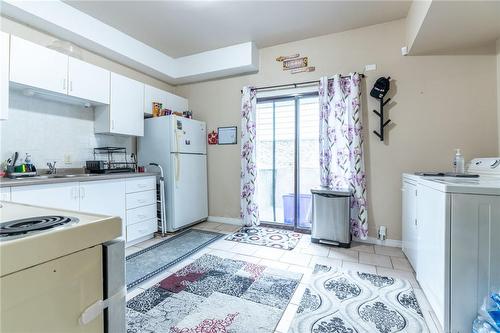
{"points": [[31, 225], [58, 267]]}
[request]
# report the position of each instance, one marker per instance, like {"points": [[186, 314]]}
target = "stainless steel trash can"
{"points": [[330, 216]]}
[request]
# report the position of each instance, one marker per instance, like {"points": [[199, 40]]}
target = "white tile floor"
{"points": [[382, 260]]}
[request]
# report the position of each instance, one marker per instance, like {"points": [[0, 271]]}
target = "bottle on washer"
{"points": [[458, 162]]}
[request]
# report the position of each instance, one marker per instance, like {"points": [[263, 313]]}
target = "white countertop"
{"points": [[20, 253], [7, 182]]}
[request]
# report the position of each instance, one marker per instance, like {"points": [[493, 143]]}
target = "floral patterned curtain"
{"points": [[249, 210], [341, 144]]}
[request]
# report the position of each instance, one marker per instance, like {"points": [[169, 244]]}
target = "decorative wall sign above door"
{"points": [[295, 63]]}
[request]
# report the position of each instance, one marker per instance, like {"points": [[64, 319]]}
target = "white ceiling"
{"points": [[179, 28], [454, 27]]}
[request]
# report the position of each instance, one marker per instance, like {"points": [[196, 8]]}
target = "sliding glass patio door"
{"points": [[287, 159]]}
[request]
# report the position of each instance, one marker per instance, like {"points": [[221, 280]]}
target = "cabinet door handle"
{"points": [[82, 192], [74, 194], [70, 85], [64, 84]]}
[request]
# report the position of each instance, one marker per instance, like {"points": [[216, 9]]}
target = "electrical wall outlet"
{"points": [[67, 158], [371, 67], [382, 232]]}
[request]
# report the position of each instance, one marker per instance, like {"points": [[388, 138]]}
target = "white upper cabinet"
{"points": [[124, 115], [37, 66], [88, 81], [153, 95], [176, 103], [4, 75]]}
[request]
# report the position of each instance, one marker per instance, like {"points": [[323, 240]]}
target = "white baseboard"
{"points": [[376, 241], [227, 220]]}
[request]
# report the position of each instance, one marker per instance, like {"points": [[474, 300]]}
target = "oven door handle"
{"points": [[98, 307]]}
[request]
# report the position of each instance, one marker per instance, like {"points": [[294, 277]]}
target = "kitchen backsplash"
{"points": [[53, 131]]}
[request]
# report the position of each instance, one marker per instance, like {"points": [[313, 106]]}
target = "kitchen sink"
{"points": [[74, 175], [58, 176]]}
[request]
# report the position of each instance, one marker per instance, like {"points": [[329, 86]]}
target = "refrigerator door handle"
{"points": [[177, 168]]}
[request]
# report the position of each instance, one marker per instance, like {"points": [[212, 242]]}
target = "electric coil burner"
{"points": [[24, 227]]}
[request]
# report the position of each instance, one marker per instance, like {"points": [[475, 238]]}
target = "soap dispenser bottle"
{"points": [[458, 162]]}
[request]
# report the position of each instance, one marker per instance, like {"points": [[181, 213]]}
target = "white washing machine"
{"points": [[458, 246]]}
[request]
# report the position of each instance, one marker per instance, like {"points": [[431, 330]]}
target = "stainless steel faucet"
{"points": [[52, 168]]}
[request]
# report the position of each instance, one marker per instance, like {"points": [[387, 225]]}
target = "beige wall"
{"points": [[41, 38], [441, 103]]}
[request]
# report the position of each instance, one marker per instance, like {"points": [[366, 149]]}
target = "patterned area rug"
{"points": [[354, 302], [213, 294], [146, 263], [277, 238]]}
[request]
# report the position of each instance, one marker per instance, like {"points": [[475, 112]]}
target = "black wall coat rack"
{"points": [[383, 123]]}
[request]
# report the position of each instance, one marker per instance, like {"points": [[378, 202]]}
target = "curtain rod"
{"points": [[294, 85]]}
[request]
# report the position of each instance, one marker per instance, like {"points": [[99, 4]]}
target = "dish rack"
{"points": [[115, 161]]}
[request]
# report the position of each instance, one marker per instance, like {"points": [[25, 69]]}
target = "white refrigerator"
{"points": [[179, 145]]}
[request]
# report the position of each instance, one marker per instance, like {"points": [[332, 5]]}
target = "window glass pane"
{"points": [[308, 157], [264, 150], [285, 161], [276, 144]]}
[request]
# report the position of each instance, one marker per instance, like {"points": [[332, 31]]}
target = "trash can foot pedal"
{"points": [[333, 243]]}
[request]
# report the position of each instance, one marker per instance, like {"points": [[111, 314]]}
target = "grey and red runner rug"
{"points": [[155, 259], [214, 294]]}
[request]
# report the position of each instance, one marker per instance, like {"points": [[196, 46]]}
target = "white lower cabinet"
{"points": [[105, 197], [5, 194], [141, 209], [140, 230], [133, 200], [140, 199], [139, 214], [60, 196]]}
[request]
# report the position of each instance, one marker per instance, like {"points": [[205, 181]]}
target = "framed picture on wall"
{"points": [[227, 135]]}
